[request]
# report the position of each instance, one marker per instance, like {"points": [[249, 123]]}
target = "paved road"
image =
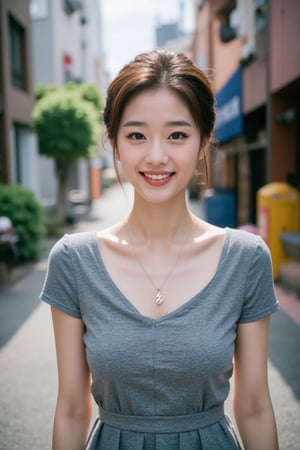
{"points": [[27, 354]]}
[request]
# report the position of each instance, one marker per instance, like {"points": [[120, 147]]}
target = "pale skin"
{"points": [[158, 138]]}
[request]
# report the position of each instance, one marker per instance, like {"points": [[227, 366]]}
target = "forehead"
{"points": [[160, 101]]}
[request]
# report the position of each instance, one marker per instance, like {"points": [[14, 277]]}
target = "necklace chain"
{"points": [[159, 298]]}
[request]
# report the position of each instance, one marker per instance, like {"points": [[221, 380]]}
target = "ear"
{"points": [[201, 153], [202, 150], [115, 150]]}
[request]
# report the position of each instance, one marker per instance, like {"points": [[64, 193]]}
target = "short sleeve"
{"points": [[259, 299], [60, 289]]}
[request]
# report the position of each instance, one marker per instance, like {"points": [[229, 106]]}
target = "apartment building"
{"points": [[252, 51], [52, 42], [67, 46], [18, 143]]}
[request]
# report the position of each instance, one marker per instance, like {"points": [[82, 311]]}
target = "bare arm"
{"points": [[252, 403], [73, 408]]}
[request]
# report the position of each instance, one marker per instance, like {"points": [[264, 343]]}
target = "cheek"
{"points": [[127, 156], [191, 156]]}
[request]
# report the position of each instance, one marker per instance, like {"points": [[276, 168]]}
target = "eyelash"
{"points": [[134, 135], [180, 135]]}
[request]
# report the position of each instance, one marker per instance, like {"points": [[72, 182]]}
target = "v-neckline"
{"points": [[178, 309]]}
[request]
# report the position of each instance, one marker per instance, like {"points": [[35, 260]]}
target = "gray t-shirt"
{"points": [[177, 365]]}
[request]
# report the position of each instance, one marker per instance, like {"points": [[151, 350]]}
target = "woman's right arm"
{"points": [[74, 405]]}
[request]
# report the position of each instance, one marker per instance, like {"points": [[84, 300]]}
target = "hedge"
{"points": [[26, 214]]}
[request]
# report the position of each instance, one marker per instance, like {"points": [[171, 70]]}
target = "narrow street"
{"points": [[27, 354]]}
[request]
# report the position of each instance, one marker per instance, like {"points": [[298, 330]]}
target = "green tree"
{"points": [[42, 90], [68, 129], [90, 93], [87, 91]]}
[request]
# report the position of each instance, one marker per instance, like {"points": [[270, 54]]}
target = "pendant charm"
{"points": [[158, 298]]}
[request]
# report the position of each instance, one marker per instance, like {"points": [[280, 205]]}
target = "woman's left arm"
{"points": [[252, 404]]}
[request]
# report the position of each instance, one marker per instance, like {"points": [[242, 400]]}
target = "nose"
{"points": [[156, 154]]}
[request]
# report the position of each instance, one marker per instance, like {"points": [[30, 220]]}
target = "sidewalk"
{"points": [[289, 302], [27, 354]]}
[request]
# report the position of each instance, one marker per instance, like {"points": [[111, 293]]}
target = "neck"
{"points": [[159, 225]]}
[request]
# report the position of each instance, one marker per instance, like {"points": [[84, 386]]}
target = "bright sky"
{"points": [[129, 26]]}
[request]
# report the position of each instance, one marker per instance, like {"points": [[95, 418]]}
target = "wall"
{"points": [[285, 50], [16, 103], [284, 141], [225, 56], [255, 93]]}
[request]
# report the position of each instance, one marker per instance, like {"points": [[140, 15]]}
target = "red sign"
{"points": [[68, 60]]}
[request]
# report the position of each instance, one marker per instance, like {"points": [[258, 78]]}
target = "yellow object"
{"points": [[277, 212]]}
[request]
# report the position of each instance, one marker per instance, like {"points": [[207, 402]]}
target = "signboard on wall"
{"points": [[229, 123]]}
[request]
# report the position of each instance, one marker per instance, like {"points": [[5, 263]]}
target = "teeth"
{"points": [[156, 177]]}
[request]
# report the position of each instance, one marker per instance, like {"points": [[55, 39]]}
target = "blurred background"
{"points": [[249, 48], [56, 171]]}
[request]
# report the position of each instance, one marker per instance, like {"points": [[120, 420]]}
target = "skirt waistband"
{"points": [[162, 424]]}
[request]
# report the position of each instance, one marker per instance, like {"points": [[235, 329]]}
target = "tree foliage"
{"points": [[67, 126], [90, 93], [67, 122], [44, 89]]}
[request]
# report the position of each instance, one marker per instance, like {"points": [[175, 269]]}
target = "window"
{"points": [[200, 3], [21, 154], [261, 14], [17, 54], [71, 6], [226, 13]]}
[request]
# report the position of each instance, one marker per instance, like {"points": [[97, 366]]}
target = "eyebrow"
{"points": [[180, 123], [134, 123]]}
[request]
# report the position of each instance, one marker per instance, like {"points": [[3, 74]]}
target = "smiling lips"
{"points": [[157, 178]]}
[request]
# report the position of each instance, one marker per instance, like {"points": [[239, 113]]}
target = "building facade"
{"points": [[18, 143], [67, 46], [48, 42], [252, 52]]}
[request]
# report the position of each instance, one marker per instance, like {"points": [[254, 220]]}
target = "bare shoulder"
{"points": [[208, 235], [112, 238]]}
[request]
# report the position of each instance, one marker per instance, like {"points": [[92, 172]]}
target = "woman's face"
{"points": [[158, 144]]}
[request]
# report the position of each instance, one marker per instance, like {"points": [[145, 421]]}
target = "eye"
{"points": [[136, 136], [177, 135]]}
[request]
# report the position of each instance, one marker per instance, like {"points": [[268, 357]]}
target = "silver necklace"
{"points": [[159, 298]]}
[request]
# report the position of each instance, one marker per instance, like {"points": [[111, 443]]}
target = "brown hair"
{"points": [[155, 69]]}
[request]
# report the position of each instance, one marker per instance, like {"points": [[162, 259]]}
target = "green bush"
{"points": [[26, 214]]}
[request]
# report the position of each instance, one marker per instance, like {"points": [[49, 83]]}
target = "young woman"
{"points": [[161, 308]]}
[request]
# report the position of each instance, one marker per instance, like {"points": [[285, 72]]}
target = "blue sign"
{"points": [[229, 123]]}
